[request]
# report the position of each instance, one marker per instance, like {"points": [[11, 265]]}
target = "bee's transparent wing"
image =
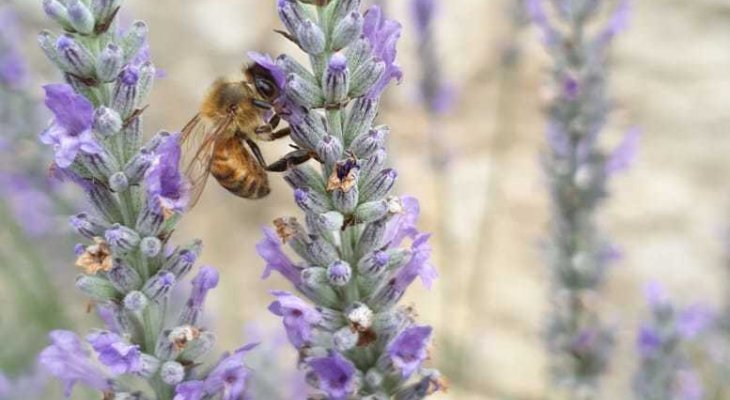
{"points": [[198, 141]]}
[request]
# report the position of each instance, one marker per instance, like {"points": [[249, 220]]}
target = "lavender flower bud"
{"points": [[87, 225], [124, 98], [345, 339], [158, 287], [199, 347], [134, 40], [291, 14], [147, 73], [47, 43], [339, 273], [371, 211], [121, 238], [111, 61], [135, 301], [320, 252], [311, 38], [101, 165], [374, 378], [293, 67], [346, 201], [371, 237], [324, 224], [336, 80], [80, 17], [373, 264], [366, 145], [104, 9], [311, 202], [365, 76], [57, 12], [118, 182], [315, 284], [74, 57], [123, 276], [182, 261], [358, 52], [344, 8], [371, 166], [96, 288], [150, 366], [305, 176], [149, 220], [304, 92], [107, 122], [150, 246], [329, 151], [309, 130], [138, 165], [360, 118], [172, 373], [347, 30], [380, 185]]}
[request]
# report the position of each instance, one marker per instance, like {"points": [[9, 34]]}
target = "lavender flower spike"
{"points": [[577, 170], [358, 247], [137, 194], [665, 358]]}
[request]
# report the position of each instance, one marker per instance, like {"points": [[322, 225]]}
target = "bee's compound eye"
{"points": [[265, 88]]}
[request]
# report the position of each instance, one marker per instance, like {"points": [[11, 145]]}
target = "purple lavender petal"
{"points": [[270, 250]]}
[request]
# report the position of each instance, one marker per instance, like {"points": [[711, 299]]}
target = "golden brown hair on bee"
{"points": [[236, 170]]}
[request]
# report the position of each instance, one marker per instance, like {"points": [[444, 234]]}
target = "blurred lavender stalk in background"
{"points": [[665, 366], [137, 196], [282, 379], [354, 341], [28, 209], [579, 341]]}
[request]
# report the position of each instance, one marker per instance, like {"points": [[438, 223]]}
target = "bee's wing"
{"points": [[198, 141]]}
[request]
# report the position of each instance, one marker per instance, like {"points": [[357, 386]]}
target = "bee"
{"points": [[221, 139]]}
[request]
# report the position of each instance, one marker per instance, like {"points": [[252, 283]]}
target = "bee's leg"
{"points": [[256, 151], [268, 134], [262, 104], [292, 159], [274, 122]]}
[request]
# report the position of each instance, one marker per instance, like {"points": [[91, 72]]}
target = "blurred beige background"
{"points": [[671, 78]]}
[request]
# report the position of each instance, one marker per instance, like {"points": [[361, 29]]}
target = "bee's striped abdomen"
{"points": [[237, 171]]}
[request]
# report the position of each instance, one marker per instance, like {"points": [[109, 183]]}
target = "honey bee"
{"points": [[221, 139]]}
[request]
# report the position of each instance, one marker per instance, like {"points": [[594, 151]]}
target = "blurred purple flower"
{"points": [[164, 182], [230, 376], [297, 315], [537, 12], [32, 208], [13, 68], [70, 132], [336, 375], [206, 279], [625, 153], [423, 12], [688, 386], [190, 390], [276, 260], [648, 341], [656, 295], [70, 362], [619, 22], [383, 35], [694, 320], [409, 349], [116, 353]]}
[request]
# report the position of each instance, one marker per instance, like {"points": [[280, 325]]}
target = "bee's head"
{"points": [[263, 82]]}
